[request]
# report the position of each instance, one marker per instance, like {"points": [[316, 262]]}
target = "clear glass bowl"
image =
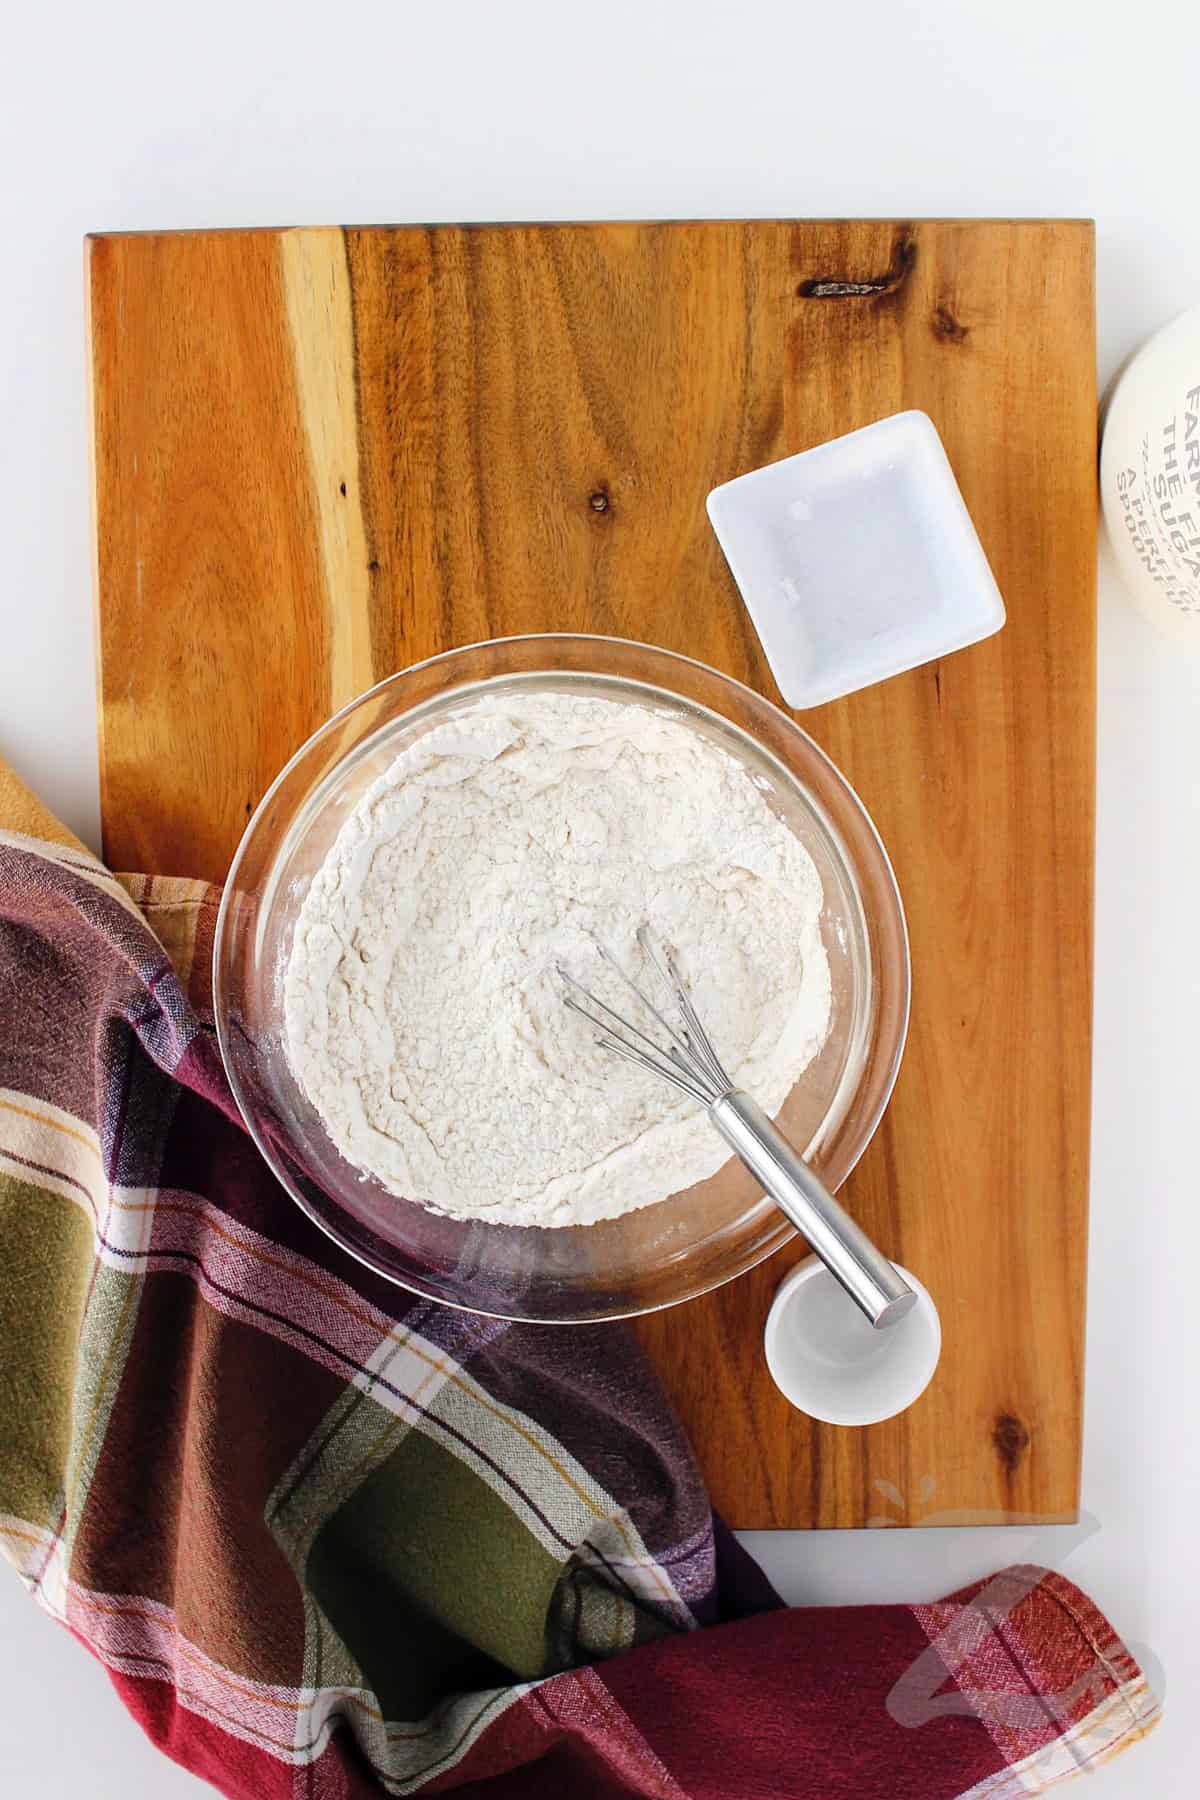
{"points": [[659, 1254]]}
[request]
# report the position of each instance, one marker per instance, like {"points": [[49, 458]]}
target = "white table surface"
{"points": [[128, 116]]}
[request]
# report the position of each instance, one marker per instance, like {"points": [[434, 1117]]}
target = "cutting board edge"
{"points": [[97, 241]]}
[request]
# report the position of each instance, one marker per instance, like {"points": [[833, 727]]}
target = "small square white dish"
{"points": [[857, 560]]}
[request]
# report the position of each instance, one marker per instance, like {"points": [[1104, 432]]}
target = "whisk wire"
{"points": [[576, 996], [649, 1054], [698, 1043], [639, 1058], [702, 1043], [688, 1059], [678, 1039]]}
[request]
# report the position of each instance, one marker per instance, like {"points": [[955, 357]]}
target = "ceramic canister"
{"points": [[1150, 476]]}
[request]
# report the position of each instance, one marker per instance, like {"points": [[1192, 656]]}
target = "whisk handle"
{"points": [[845, 1249]]}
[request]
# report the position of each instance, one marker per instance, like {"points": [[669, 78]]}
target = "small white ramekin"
{"points": [[832, 1364]]}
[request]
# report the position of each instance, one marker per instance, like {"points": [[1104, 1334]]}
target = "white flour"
{"points": [[424, 1018]]}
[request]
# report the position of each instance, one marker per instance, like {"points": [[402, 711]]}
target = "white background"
{"points": [[128, 116]]}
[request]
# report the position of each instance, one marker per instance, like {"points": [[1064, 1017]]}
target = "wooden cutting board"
{"points": [[320, 455]]}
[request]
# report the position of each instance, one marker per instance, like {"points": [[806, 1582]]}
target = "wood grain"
{"points": [[321, 455]]}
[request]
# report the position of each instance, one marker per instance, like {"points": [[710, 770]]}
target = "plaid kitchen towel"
{"points": [[331, 1540]]}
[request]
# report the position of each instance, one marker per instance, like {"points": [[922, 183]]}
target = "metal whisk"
{"points": [[688, 1061]]}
